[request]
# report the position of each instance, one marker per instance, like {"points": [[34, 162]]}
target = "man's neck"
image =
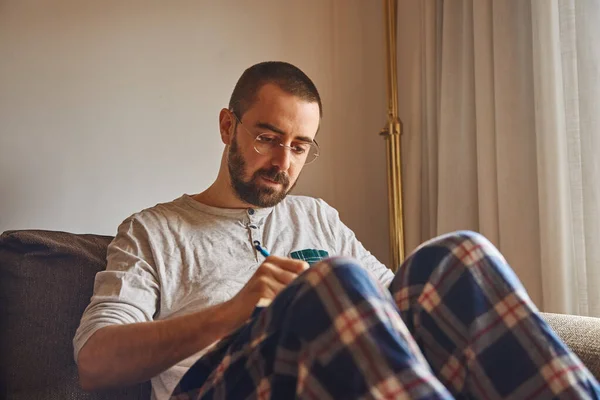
{"points": [[222, 197]]}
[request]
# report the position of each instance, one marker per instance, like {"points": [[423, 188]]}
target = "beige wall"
{"points": [[107, 107]]}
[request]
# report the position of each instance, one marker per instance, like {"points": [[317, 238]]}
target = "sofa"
{"points": [[46, 281]]}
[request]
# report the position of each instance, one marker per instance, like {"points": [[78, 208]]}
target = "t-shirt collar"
{"points": [[252, 212]]}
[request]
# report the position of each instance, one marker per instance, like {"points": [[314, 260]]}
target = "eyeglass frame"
{"points": [[280, 144]]}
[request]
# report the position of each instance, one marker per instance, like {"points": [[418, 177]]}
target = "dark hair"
{"points": [[286, 76]]}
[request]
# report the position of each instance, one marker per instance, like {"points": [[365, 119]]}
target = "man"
{"points": [[178, 301]]}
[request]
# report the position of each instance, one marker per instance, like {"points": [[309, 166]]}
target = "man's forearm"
{"points": [[126, 354]]}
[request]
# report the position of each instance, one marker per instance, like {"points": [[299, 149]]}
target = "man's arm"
{"points": [[126, 354], [120, 355], [349, 245]]}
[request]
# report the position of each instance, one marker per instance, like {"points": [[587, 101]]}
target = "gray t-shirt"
{"points": [[180, 257]]}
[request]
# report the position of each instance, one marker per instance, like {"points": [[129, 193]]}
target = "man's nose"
{"points": [[281, 158]]}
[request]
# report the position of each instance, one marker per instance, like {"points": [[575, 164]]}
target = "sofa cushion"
{"points": [[46, 281]]}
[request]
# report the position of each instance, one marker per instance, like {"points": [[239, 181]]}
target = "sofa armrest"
{"points": [[46, 281], [581, 334]]}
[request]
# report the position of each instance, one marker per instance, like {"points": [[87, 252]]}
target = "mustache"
{"points": [[275, 175]]}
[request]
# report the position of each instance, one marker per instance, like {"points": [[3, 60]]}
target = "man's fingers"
{"points": [[275, 274], [269, 287], [264, 302], [279, 274], [289, 264]]}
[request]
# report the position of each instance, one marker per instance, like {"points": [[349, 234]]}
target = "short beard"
{"points": [[252, 192]]}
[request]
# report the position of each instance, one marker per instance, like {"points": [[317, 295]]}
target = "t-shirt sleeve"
{"points": [[128, 290], [348, 245]]}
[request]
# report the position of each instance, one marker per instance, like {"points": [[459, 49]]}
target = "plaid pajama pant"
{"points": [[455, 323]]}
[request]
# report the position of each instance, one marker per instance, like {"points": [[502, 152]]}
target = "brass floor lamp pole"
{"points": [[391, 133]]}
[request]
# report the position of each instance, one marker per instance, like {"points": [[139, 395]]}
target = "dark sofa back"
{"points": [[46, 281]]}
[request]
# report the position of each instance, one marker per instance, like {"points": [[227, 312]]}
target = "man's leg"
{"points": [[477, 327], [334, 333]]}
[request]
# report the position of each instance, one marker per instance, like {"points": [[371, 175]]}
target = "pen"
{"points": [[261, 250], [262, 302]]}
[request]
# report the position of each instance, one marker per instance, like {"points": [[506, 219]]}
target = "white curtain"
{"points": [[500, 103]]}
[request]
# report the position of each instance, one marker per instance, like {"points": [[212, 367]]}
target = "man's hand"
{"points": [[269, 279]]}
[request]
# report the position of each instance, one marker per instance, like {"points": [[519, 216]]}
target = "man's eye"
{"points": [[266, 139], [300, 148]]}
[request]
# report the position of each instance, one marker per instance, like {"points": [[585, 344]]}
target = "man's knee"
{"points": [[450, 252], [467, 247], [325, 291], [464, 238], [335, 275], [342, 268]]}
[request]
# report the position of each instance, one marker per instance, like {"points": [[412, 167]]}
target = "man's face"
{"points": [[265, 180]]}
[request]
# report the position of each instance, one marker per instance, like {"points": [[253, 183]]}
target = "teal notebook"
{"points": [[311, 256]]}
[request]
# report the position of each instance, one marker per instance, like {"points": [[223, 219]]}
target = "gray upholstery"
{"points": [[46, 280], [581, 334]]}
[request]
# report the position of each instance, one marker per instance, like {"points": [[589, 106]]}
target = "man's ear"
{"points": [[226, 126]]}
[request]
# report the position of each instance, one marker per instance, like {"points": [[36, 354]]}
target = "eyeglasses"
{"points": [[266, 143]]}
